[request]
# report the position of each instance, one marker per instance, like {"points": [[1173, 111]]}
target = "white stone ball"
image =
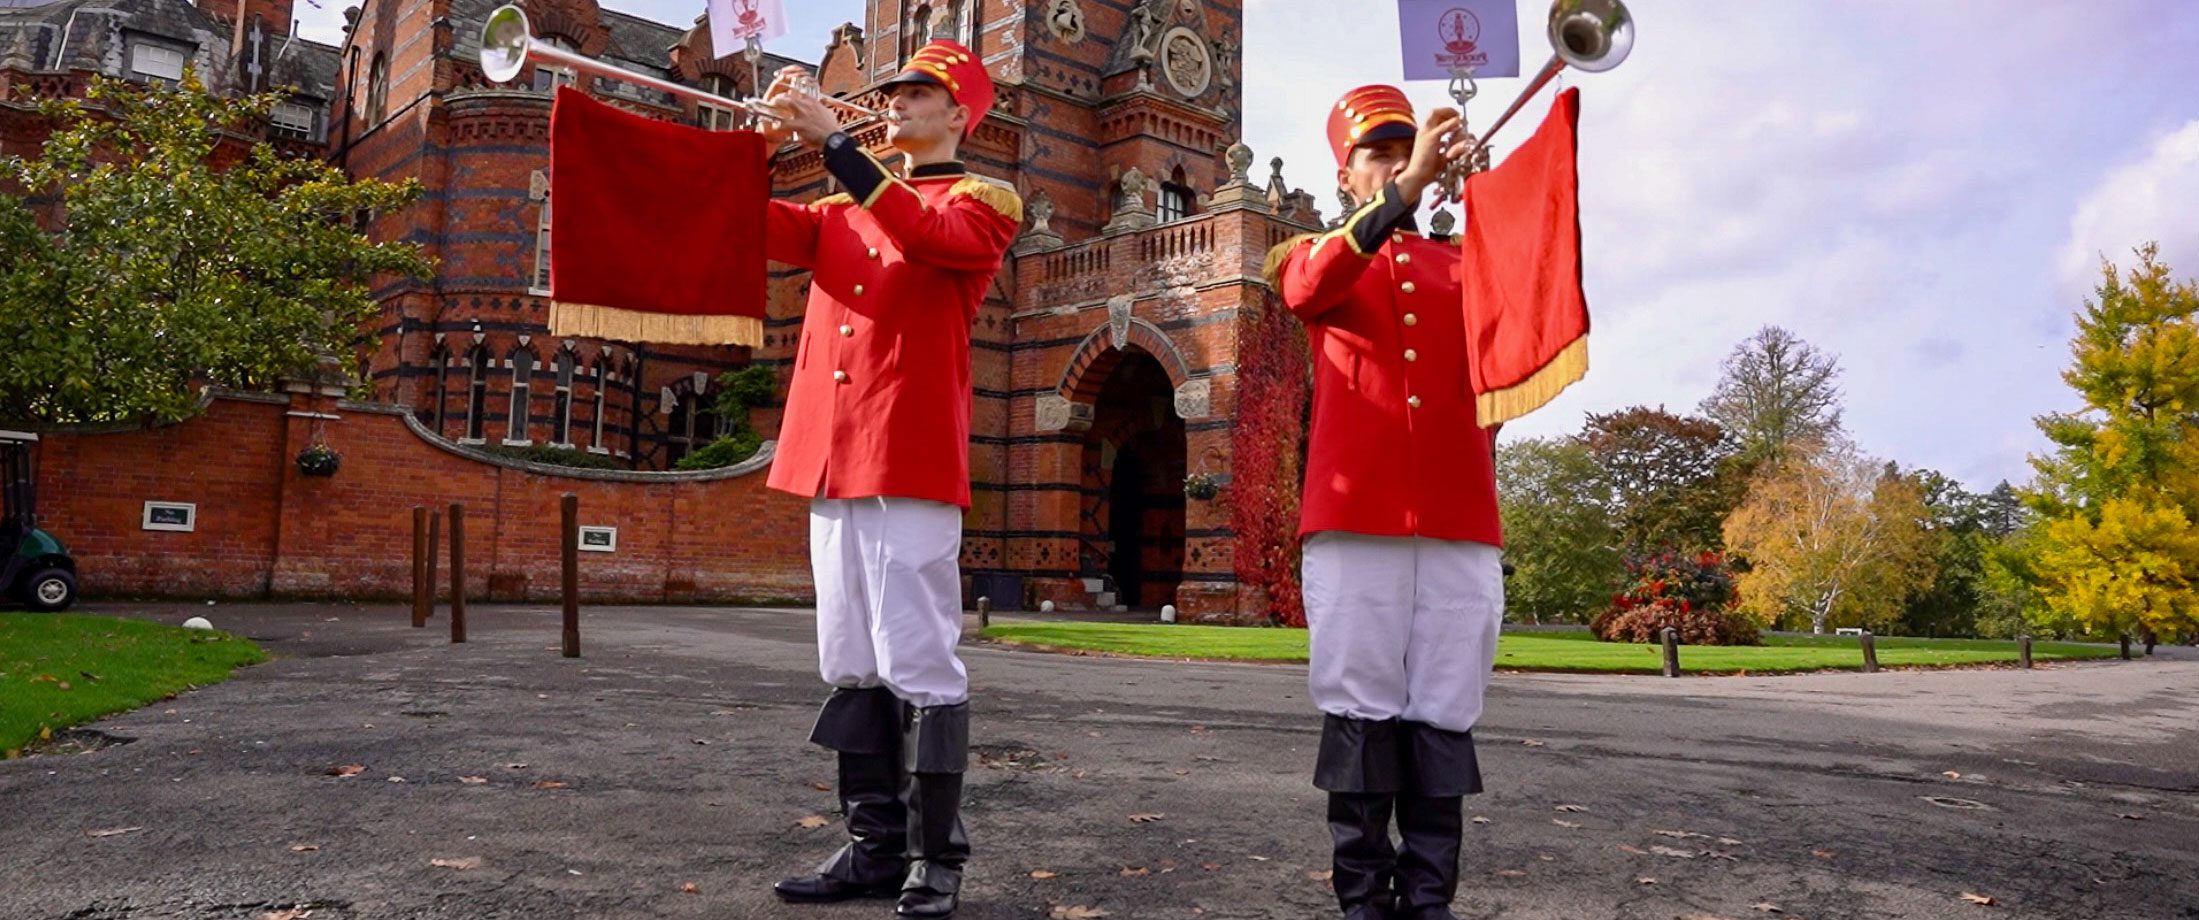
{"points": [[1045, 606], [197, 623], [1168, 613]]}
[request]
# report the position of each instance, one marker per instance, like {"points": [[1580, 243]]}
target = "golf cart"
{"points": [[34, 568]]}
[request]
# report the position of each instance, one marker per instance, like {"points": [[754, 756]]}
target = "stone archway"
{"points": [[1131, 509]]}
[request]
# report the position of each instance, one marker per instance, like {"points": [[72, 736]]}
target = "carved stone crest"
{"points": [[1195, 399], [1065, 19], [1186, 63], [1118, 321]]}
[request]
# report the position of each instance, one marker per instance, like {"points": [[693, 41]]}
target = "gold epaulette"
{"points": [[1273, 267], [998, 198], [833, 200]]}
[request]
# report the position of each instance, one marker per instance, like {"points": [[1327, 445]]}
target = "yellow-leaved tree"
{"points": [[2118, 546], [1830, 537]]}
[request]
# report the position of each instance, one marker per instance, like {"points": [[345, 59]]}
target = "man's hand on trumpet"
{"points": [[1429, 155], [789, 111]]}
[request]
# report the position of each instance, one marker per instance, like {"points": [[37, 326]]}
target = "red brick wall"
{"points": [[264, 529]]}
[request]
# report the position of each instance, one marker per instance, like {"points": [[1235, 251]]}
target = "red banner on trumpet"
{"points": [[658, 228]]}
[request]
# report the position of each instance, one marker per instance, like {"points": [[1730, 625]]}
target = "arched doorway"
{"points": [[1133, 521]]}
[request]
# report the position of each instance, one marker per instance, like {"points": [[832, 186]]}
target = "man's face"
{"points": [[1374, 165], [924, 113]]}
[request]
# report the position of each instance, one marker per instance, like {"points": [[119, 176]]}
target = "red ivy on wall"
{"points": [[1274, 379]]}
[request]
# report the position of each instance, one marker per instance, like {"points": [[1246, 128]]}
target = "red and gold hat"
{"points": [[1368, 114], [949, 64]]}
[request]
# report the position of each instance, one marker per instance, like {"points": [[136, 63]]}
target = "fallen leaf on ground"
{"points": [[396, 779], [1950, 774], [813, 821], [1146, 818], [1183, 773], [1769, 908], [1823, 854], [515, 766], [1673, 852], [1728, 842], [349, 769], [1561, 822], [1210, 866], [821, 787], [113, 832], [1042, 873], [1575, 809], [689, 888], [1511, 873], [1530, 742], [1076, 912], [1479, 819], [548, 784], [473, 780], [470, 862], [1633, 850], [1078, 775], [1978, 899], [1321, 876], [291, 914], [2132, 817], [1645, 880], [304, 847], [1680, 835]]}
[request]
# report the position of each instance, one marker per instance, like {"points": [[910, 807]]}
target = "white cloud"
{"points": [[2153, 199]]}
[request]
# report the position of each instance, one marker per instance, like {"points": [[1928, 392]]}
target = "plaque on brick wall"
{"points": [[599, 539], [1195, 399], [182, 517]]}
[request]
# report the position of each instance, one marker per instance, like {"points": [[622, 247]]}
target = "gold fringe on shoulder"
{"points": [[1504, 405], [1272, 268], [833, 200], [594, 322], [1004, 200]]}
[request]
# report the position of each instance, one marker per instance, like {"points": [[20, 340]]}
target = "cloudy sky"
{"points": [[1923, 189]]}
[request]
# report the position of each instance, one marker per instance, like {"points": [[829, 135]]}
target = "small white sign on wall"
{"points": [[599, 539], [177, 516]]}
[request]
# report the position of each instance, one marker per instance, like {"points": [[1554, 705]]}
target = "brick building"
{"points": [[1105, 356]]}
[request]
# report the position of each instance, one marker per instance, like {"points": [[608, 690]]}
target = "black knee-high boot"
{"points": [[1440, 771], [865, 727], [937, 750], [1358, 767]]}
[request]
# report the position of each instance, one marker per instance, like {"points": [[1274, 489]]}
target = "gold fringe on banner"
{"points": [[1504, 405], [594, 322]]}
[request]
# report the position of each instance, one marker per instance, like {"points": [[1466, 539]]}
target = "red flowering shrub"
{"points": [[1274, 379], [1690, 593]]}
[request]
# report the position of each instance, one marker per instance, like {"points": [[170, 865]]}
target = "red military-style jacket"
{"points": [[1395, 449], [880, 401]]}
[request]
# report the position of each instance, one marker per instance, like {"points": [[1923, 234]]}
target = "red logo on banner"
{"points": [[751, 19], [1459, 30]]}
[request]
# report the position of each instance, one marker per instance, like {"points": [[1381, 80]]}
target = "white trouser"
{"points": [[889, 596], [1403, 627]]}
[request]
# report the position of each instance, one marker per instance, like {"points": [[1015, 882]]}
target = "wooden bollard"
{"points": [[984, 612], [1672, 652], [457, 572], [420, 586], [1870, 652], [570, 512], [435, 552], [2023, 651], [2125, 639]]}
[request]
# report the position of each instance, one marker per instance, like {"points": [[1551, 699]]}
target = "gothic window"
{"points": [[694, 425], [961, 16], [548, 79], [918, 30], [377, 91], [296, 119], [603, 385], [477, 392], [540, 284], [718, 117], [1176, 198], [563, 413], [522, 373]]}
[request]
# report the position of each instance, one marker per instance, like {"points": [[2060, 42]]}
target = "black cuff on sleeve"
{"points": [[1372, 225], [857, 172]]}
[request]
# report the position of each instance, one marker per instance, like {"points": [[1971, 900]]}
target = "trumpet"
{"points": [[1591, 36], [508, 45]]}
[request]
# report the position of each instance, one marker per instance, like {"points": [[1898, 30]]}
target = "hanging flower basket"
{"points": [[1205, 484], [319, 460]]}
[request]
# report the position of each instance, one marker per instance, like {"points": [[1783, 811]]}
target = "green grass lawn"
{"points": [[60, 670], [1542, 651]]}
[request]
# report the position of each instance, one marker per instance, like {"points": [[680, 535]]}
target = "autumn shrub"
{"points": [[1692, 593]]}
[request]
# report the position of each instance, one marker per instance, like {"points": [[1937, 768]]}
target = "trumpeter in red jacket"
{"points": [[1403, 586], [876, 435]]}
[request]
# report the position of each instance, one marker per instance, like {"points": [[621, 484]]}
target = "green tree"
{"points": [[750, 387], [1777, 391], [1667, 481], [2118, 548], [1558, 537], [190, 255]]}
